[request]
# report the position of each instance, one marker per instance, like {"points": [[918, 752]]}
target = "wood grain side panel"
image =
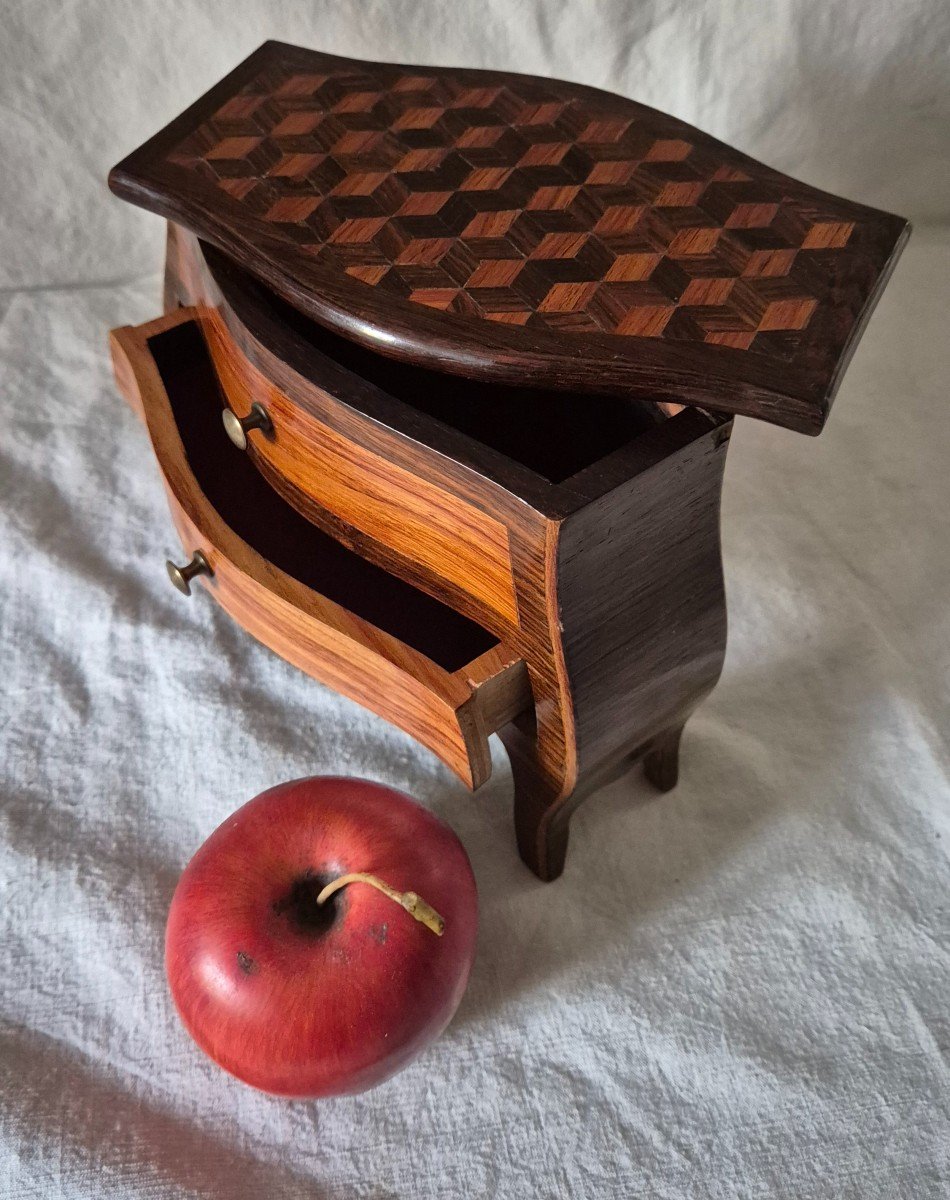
{"points": [[409, 514], [641, 589]]}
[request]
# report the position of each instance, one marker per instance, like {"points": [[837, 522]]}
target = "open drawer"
{"points": [[347, 622]]}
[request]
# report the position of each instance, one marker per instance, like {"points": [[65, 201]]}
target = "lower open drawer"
{"points": [[347, 622]]}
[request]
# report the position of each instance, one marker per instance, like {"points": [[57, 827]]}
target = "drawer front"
{"points": [[339, 658], [421, 522], [450, 709]]}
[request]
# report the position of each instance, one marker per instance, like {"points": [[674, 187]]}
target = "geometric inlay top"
{"points": [[503, 226]]}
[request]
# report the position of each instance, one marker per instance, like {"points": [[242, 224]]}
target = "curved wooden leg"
{"points": [[543, 806], [661, 764], [541, 809], [542, 833]]}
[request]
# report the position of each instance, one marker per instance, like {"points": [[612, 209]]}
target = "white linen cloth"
{"points": [[736, 990]]}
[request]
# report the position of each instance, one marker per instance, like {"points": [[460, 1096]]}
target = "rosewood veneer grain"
{"points": [[433, 672]]}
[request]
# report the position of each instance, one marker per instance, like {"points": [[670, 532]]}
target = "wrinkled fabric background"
{"points": [[737, 990]]}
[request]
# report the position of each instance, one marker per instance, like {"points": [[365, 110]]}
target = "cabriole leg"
{"points": [[661, 763], [541, 808]]}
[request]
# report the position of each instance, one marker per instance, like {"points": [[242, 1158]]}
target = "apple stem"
{"points": [[413, 904]]}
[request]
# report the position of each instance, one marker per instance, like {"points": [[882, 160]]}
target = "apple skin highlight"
{"points": [[307, 1000]]}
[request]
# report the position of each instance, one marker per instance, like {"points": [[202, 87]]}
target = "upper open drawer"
{"points": [[375, 638]]}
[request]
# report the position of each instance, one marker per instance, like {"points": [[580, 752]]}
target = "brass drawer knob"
{"points": [[181, 576], [237, 428]]}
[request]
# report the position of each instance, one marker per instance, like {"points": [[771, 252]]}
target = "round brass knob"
{"points": [[237, 428], [181, 576]]}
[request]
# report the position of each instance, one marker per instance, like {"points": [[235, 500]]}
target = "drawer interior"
{"points": [[545, 430], [258, 515]]}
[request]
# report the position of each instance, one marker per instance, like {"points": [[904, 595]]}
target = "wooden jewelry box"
{"points": [[477, 340]]}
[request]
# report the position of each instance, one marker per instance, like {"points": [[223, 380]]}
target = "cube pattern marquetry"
{"points": [[527, 203]]}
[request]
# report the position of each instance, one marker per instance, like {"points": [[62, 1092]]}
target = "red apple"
{"points": [[305, 999]]}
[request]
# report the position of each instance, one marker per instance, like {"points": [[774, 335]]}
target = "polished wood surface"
{"points": [[611, 670], [532, 443], [164, 371], [422, 522], [640, 607], [505, 227], [494, 329], [530, 506]]}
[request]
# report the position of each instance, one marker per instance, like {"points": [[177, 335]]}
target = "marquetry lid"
{"points": [[501, 226]]}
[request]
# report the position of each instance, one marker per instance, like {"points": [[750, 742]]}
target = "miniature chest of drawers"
{"points": [[444, 387]]}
